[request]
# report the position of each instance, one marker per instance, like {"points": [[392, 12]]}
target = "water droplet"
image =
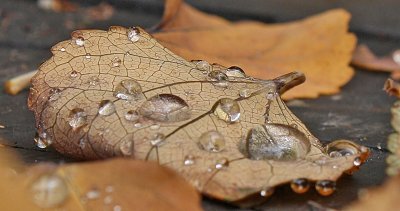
{"points": [[396, 56], [212, 141], [93, 194], [108, 200], [82, 143], [325, 187], [87, 56], [189, 160], [80, 41], [73, 74], [300, 185], [155, 126], [106, 107], [222, 163], [379, 146], [266, 192], [276, 142], [202, 65], [357, 161], [133, 34], [126, 147], [109, 189], [128, 90], [93, 80], [138, 125], [157, 139], [49, 190], [117, 208], [62, 49], [165, 108], [116, 62], [132, 116], [244, 93], [235, 71], [42, 140], [55, 94], [342, 148], [227, 109], [77, 118], [220, 78]]}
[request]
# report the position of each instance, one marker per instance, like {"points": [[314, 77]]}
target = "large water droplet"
{"points": [[235, 71], [227, 109], [42, 140], [325, 187], [132, 116], [220, 78], [49, 190], [212, 141], [300, 185], [106, 107], [165, 108], [222, 163], [133, 34], [128, 90], [77, 118], [126, 147], [188, 160], [342, 148], [276, 142], [157, 139]]}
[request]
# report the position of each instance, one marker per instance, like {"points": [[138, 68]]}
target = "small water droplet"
{"points": [[80, 41], [396, 56], [116, 62], [108, 200], [138, 125], [227, 109], [133, 34], [110, 189], [335, 167], [106, 107], [266, 192], [155, 126], [55, 94], [300, 185], [128, 90], [82, 143], [42, 140], [222, 163], [325, 187], [132, 116], [157, 139], [220, 78], [235, 71], [126, 147], [87, 56], [62, 49], [189, 160], [93, 194], [49, 190], [165, 108], [357, 161], [379, 146], [244, 93], [212, 141], [202, 65], [73, 74], [77, 118]]}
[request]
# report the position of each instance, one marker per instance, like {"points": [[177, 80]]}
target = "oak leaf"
{"points": [[319, 46], [117, 184], [121, 93]]}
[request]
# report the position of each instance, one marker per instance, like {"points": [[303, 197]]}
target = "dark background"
{"points": [[361, 112]]}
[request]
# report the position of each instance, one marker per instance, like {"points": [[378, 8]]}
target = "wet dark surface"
{"points": [[359, 113]]}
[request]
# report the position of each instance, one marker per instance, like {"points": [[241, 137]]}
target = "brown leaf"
{"points": [[385, 197], [363, 57], [120, 93], [319, 46], [118, 184]]}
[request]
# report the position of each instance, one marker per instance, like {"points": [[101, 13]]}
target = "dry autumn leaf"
{"points": [[319, 46], [118, 184], [120, 93]]}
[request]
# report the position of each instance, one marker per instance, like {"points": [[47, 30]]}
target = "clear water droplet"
{"points": [[220, 78], [342, 148], [379, 146], [202, 65], [128, 90], [132, 116], [117, 208], [82, 143], [325, 187], [62, 49], [88, 56], [80, 41], [165, 108], [138, 125], [116, 62], [396, 56], [300, 185], [106, 107], [93, 194], [212, 141], [222, 163], [157, 139], [266, 192], [77, 118], [42, 140], [126, 147], [133, 34], [49, 190], [73, 74], [227, 109], [109, 189], [108, 200], [235, 71], [244, 93], [189, 160], [357, 161], [55, 94]]}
